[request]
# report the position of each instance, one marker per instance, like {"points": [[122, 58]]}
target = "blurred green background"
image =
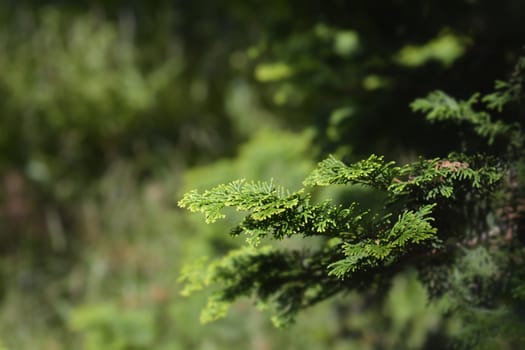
{"points": [[111, 110]]}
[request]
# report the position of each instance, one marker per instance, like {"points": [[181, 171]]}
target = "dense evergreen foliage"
{"points": [[111, 110], [441, 214]]}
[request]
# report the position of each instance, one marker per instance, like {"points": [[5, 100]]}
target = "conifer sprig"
{"points": [[262, 199], [373, 171], [438, 107]]}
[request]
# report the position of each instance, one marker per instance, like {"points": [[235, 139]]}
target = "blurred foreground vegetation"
{"points": [[110, 111]]}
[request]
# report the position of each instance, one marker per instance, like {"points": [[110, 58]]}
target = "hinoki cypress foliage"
{"points": [[456, 220]]}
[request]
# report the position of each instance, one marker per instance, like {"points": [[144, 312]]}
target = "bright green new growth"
{"points": [[434, 212], [261, 198], [410, 228], [372, 171]]}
